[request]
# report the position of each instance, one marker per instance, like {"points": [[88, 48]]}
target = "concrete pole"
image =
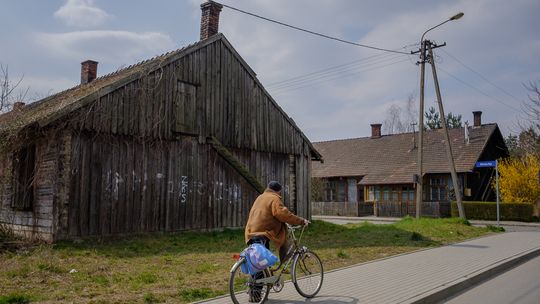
{"points": [[420, 183], [455, 181]]}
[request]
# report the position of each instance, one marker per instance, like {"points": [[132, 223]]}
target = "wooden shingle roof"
{"points": [[392, 159]]}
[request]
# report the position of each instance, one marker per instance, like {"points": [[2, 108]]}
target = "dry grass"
{"points": [[181, 268]]}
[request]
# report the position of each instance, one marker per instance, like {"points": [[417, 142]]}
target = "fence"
{"points": [[401, 209], [342, 208], [381, 208]]}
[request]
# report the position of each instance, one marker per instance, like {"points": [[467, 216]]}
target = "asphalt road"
{"points": [[520, 285]]}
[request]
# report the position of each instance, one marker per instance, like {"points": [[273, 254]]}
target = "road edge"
{"points": [[453, 288]]}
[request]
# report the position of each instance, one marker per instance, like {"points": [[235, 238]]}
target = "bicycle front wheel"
{"points": [[245, 288], [307, 273]]}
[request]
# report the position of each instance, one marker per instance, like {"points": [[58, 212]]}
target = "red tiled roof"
{"points": [[392, 159]]}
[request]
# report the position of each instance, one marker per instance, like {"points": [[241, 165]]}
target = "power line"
{"points": [[480, 91], [314, 33], [334, 72], [482, 76], [301, 86], [334, 69], [325, 69]]}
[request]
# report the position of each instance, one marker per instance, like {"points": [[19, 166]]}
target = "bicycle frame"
{"points": [[296, 249]]}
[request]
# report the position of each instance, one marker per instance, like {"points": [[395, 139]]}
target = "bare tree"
{"points": [[9, 92], [531, 108], [399, 120]]}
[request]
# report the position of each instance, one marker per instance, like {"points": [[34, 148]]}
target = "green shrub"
{"points": [[488, 211], [15, 299]]}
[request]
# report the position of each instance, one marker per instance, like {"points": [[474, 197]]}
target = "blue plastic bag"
{"points": [[257, 259]]}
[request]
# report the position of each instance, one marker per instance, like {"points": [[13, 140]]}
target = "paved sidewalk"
{"points": [[425, 276]]}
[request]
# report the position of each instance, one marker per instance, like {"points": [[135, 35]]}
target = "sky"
{"points": [[332, 90]]}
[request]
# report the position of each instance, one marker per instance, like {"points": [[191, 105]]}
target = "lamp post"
{"points": [[424, 45]]}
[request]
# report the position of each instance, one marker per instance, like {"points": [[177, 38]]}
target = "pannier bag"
{"points": [[257, 258]]}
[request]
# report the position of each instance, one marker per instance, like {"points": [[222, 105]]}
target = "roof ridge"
{"points": [[111, 74], [397, 134]]}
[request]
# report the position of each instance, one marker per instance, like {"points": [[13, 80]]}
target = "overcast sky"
{"points": [[490, 54]]}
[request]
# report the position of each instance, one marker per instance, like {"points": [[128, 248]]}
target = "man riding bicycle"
{"points": [[266, 222]]}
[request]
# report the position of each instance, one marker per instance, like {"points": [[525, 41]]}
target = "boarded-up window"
{"points": [[184, 109], [24, 164]]}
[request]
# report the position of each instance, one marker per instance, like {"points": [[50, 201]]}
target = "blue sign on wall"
{"points": [[486, 164]]}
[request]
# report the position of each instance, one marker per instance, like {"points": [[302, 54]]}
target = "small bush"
{"points": [[495, 228], [342, 255], [15, 299], [415, 236], [488, 211]]}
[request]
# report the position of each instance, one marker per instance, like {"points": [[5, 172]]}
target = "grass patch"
{"points": [[196, 294], [15, 299], [187, 267], [495, 228], [150, 298]]}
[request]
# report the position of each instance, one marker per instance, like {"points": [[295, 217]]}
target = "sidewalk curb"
{"points": [[451, 289]]}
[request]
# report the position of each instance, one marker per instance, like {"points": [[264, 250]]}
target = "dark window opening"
{"points": [[24, 164]]}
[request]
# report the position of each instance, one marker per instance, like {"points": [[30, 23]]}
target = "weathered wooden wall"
{"points": [[137, 145], [40, 221], [126, 185], [137, 158], [207, 92]]}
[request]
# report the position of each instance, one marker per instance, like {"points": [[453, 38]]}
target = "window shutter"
{"points": [[184, 108]]}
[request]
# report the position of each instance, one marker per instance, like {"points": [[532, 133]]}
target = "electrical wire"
{"points": [[301, 86], [333, 69], [322, 71], [478, 90], [313, 32], [333, 73], [481, 76]]}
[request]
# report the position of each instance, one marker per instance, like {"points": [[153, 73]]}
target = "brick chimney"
{"points": [[210, 19], [88, 71], [477, 118], [376, 130], [18, 105]]}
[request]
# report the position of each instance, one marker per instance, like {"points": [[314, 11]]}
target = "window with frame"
{"points": [[336, 191], [438, 188], [24, 164]]}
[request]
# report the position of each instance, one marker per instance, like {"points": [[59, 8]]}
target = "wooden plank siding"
{"points": [[229, 104], [136, 155], [197, 189]]}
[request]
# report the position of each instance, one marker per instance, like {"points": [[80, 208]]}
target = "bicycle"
{"points": [[306, 274]]}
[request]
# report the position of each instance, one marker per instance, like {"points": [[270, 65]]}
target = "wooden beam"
{"points": [[236, 164]]}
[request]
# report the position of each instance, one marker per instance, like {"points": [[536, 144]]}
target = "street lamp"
{"points": [[455, 17], [424, 46]]}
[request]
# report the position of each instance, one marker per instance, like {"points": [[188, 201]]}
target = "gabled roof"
{"points": [[392, 159], [50, 109]]}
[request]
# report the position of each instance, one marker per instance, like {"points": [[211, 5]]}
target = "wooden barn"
{"points": [[183, 141]]}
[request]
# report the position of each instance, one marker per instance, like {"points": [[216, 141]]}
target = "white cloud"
{"points": [[81, 13], [116, 47]]}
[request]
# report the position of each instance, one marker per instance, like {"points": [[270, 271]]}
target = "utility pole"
{"points": [[420, 178], [455, 181]]}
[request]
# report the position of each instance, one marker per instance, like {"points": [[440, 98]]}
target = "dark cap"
{"points": [[276, 186]]}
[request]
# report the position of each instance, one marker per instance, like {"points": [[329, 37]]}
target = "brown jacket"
{"points": [[267, 217]]}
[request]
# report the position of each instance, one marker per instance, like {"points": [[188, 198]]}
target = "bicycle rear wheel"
{"points": [[307, 273], [243, 288]]}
